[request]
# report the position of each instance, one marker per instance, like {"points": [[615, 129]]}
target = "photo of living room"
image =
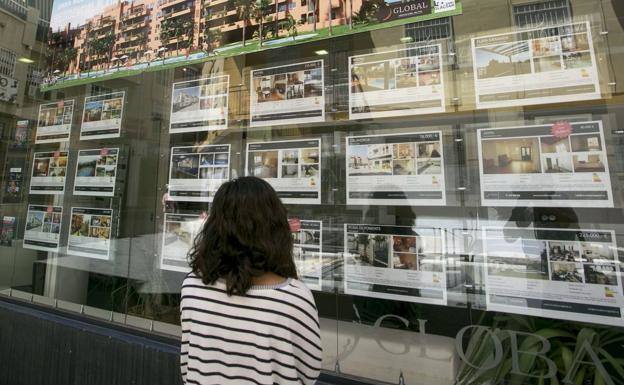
{"points": [[556, 156], [263, 164], [566, 271], [511, 156], [507, 59], [586, 143], [270, 88], [368, 250], [588, 163]]}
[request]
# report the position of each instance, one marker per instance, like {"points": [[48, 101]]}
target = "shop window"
{"points": [[430, 30], [551, 12]]}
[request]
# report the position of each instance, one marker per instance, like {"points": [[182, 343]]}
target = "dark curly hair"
{"points": [[246, 235]]}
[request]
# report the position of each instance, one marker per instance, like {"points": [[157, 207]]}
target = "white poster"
{"points": [[569, 274], [395, 262], [55, 121], [307, 252], [199, 105], [48, 172], [288, 94], [96, 172], [90, 232], [179, 233], [397, 83], [197, 172], [396, 169], [529, 166], [43, 228], [535, 66], [102, 116], [292, 167]]}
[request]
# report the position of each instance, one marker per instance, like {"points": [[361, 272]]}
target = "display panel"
{"points": [[102, 116], [288, 94], [48, 172], [7, 230], [535, 66], [90, 232], [568, 274], [13, 185], [541, 166], [43, 228], [54, 121], [398, 169], [395, 262], [292, 167], [197, 172], [199, 105], [403, 82], [307, 252], [179, 234], [96, 172]]}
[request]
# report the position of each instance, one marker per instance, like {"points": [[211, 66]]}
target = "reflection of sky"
{"points": [[484, 56], [75, 12], [518, 248], [361, 151]]}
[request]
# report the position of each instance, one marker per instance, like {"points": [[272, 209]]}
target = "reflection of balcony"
{"points": [[168, 3], [131, 38], [175, 14], [178, 39], [130, 27], [103, 23], [136, 12]]}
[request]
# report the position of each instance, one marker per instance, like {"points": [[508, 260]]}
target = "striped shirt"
{"points": [[268, 336]]}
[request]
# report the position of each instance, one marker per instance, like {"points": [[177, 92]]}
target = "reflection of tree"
{"points": [[368, 11], [245, 9]]}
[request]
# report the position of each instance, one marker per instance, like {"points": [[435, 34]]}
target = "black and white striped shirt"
{"points": [[268, 336]]}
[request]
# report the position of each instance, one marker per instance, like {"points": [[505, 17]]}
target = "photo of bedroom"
{"points": [[511, 156]]}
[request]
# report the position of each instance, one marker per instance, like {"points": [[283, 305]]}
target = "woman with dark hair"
{"points": [[246, 318]]}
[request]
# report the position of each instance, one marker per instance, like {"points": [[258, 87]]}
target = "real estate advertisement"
{"points": [[48, 172], [43, 228], [13, 184], [199, 105], [408, 81], [396, 169], [197, 172], [7, 230], [289, 94], [307, 252], [102, 116], [542, 166], [96, 172], [569, 274], [90, 232], [395, 262], [55, 121], [292, 167], [535, 66], [179, 234]]}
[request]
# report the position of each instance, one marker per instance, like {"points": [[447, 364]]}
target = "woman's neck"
{"points": [[268, 278]]}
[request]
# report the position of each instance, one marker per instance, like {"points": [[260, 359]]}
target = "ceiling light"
{"points": [[321, 52], [407, 39], [25, 60]]}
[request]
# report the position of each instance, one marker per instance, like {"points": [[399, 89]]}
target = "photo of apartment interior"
{"points": [[586, 143], [501, 60], [373, 159], [600, 274], [404, 255], [564, 251], [185, 166], [263, 164], [511, 156], [294, 85], [566, 272], [178, 238], [270, 88], [556, 156], [429, 159], [588, 163], [404, 159], [368, 250], [596, 253]]}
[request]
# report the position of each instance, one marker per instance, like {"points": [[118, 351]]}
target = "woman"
{"points": [[246, 319]]}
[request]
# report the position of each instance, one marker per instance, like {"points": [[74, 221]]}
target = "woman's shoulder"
{"points": [[299, 292]]}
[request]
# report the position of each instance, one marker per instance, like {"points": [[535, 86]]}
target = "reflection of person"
{"points": [[244, 281]]}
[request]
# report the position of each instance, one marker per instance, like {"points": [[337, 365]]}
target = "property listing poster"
{"points": [[48, 172], [292, 167], [96, 172], [395, 262], [197, 172], [102, 116], [7, 230], [288, 94], [535, 66], [397, 169], [530, 166], [55, 121], [397, 83], [13, 185], [307, 252], [90, 232], [179, 234], [559, 273], [199, 105], [43, 228]]}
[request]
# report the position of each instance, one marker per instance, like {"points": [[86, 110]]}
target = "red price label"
{"points": [[295, 224], [57, 154], [50, 209], [561, 129], [104, 151]]}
